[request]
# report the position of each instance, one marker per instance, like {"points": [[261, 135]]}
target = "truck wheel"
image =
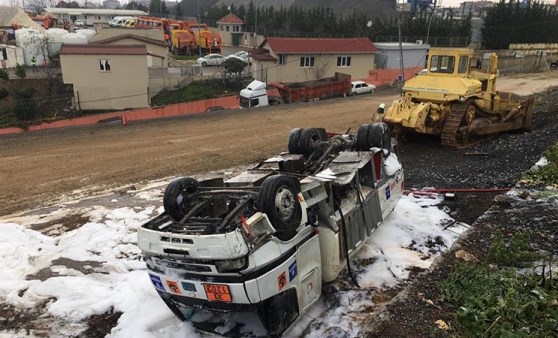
{"points": [[278, 200], [177, 197], [294, 136], [307, 138], [379, 136], [362, 137]]}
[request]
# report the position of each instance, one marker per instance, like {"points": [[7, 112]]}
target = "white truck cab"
{"points": [[262, 243], [255, 95]]}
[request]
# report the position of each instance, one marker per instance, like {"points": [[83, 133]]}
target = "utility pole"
{"points": [[430, 21], [199, 31], [256, 29], [401, 66]]}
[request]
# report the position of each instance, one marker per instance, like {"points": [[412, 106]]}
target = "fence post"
{"points": [[78, 102]]}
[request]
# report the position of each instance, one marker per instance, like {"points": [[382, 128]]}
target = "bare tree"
{"points": [[323, 62]]}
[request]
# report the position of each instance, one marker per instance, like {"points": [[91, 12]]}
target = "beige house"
{"points": [[300, 59], [233, 36], [156, 49], [106, 77]]}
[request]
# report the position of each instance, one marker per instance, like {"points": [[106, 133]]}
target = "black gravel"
{"points": [[498, 162]]}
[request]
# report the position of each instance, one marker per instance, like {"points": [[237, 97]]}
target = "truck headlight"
{"points": [[462, 98], [231, 265]]}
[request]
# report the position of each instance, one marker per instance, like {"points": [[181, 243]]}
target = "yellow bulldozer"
{"points": [[457, 103]]}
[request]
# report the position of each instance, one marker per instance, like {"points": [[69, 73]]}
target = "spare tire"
{"points": [[278, 200], [177, 199]]}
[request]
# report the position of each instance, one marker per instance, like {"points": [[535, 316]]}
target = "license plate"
{"points": [[218, 293]]}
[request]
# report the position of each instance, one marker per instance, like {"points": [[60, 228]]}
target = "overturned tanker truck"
{"points": [[260, 245]]}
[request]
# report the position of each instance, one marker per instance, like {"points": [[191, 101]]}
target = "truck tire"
{"points": [[177, 197], [294, 136], [379, 136], [307, 138], [362, 137], [278, 200]]}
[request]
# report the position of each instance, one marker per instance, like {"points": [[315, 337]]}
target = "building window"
{"points": [[283, 59], [98, 17], [85, 16], [307, 61], [236, 28], [4, 54], [227, 28], [343, 61], [104, 65]]}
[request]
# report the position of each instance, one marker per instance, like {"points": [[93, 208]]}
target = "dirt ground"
{"points": [[38, 168]]}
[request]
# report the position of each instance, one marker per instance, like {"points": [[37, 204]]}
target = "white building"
{"points": [[414, 55], [10, 56], [94, 15]]}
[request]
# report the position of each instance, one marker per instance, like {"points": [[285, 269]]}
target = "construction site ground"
{"points": [[41, 168]]}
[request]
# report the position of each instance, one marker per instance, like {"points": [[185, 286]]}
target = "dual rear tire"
{"points": [[375, 135]]}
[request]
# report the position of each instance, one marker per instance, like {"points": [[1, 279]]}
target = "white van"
{"points": [[118, 21]]}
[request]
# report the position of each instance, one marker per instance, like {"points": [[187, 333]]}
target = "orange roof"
{"points": [[231, 18], [319, 45]]}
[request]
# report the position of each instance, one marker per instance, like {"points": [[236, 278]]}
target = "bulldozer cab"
{"points": [[449, 62]]}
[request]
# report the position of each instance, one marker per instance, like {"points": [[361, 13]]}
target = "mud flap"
{"points": [[278, 312]]}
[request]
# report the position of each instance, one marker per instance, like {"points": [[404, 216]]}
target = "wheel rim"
{"points": [[284, 203], [470, 115]]}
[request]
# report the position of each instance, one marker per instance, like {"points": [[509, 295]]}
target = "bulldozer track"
{"points": [[451, 127]]}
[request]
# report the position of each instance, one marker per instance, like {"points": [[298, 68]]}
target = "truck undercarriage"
{"points": [[262, 243]]}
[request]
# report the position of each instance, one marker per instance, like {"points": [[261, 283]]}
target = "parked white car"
{"points": [[83, 23], [242, 55], [211, 60], [361, 87]]}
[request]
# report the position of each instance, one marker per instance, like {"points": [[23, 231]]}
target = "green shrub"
{"points": [[195, 91], [548, 174], [4, 75], [20, 71], [516, 253], [494, 302], [3, 93], [25, 107]]}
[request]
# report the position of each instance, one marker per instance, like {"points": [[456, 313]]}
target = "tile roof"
{"points": [[261, 54], [93, 49], [132, 36], [231, 18], [319, 45]]}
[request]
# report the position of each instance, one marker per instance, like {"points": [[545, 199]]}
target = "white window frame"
{"points": [[307, 62], [343, 61], [103, 63], [282, 60]]}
